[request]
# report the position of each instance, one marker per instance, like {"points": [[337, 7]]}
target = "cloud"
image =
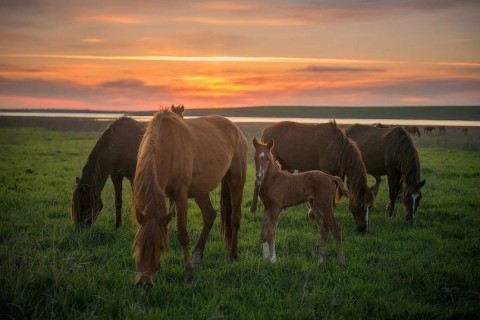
{"points": [[324, 69]]}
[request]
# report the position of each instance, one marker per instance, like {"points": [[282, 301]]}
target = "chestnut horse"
{"points": [[183, 159], [280, 189], [305, 147], [114, 155], [391, 152]]}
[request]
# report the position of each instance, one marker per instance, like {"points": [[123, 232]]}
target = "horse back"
{"points": [[218, 147], [304, 147]]}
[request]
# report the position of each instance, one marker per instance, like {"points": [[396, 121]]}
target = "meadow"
{"points": [[427, 269]]}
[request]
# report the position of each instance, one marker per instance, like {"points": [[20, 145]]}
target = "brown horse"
{"points": [[324, 147], [114, 155], [280, 189], [183, 159], [428, 129], [413, 130], [391, 152]]}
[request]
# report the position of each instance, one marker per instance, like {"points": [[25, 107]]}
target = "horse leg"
{"points": [[393, 189], [208, 216], [323, 231], [336, 230], [253, 206], [183, 239], [236, 198], [117, 186], [270, 220]]}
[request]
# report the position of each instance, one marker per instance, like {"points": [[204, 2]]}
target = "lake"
{"points": [[110, 116]]}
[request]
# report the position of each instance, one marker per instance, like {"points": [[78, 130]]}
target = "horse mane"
{"points": [[350, 163], [149, 197], [407, 158]]}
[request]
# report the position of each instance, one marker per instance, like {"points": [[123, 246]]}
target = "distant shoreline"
{"points": [[471, 113]]}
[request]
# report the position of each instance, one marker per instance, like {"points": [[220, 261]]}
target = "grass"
{"points": [[428, 269]]}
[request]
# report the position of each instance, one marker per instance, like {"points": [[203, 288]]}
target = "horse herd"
{"points": [[175, 158]]}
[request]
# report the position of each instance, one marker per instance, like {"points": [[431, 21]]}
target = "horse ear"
{"points": [[421, 184], [255, 142], [270, 144], [182, 108], [77, 180]]}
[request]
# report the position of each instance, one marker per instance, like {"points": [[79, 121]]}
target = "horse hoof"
{"points": [[190, 278], [197, 257]]}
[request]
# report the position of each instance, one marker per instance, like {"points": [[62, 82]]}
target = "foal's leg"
{"points": [[182, 233], [269, 228], [323, 230], [117, 185], [337, 234], [208, 215], [253, 206]]}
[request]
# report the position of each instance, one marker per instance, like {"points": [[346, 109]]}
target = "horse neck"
{"points": [[273, 171], [409, 163], [96, 170], [354, 169]]}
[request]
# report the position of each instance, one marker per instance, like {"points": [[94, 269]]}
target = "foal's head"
{"points": [[85, 205], [412, 195], [262, 158]]}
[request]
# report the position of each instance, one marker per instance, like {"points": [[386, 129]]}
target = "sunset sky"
{"points": [[140, 55]]}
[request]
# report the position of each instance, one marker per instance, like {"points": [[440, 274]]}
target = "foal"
{"points": [[281, 189]]}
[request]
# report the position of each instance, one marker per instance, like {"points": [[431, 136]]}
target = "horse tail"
{"points": [[151, 238], [343, 190], [226, 213]]}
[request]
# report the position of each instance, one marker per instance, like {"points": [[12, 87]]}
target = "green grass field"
{"points": [[429, 269]]}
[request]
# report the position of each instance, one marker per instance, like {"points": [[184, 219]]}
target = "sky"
{"points": [[142, 55]]}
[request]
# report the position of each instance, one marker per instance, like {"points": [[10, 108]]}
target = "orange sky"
{"points": [[123, 55]]}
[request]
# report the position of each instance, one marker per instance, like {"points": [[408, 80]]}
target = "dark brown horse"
{"points": [[183, 159], [391, 152], [280, 189], [324, 147], [114, 155], [413, 130]]}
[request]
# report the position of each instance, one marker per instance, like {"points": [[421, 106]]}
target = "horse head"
{"points": [[360, 207], [411, 198], [262, 158], [85, 205]]}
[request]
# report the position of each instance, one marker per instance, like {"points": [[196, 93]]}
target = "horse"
{"points": [[413, 130], [324, 147], [465, 131], [114, 155], [391, 152], [280, 189], [428, 129], [180, 159]]}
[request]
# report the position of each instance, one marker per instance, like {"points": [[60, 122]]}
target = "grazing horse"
{"points": [[391, 152], [324, 147], [114, 154], [413, 130], [280, 189], [180, 159], [428, 129]]}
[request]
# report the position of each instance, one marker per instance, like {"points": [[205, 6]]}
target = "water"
{"points": [[110, 116]]}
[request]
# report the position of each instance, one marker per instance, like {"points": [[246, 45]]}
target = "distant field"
{"points": [[428, 269]]}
